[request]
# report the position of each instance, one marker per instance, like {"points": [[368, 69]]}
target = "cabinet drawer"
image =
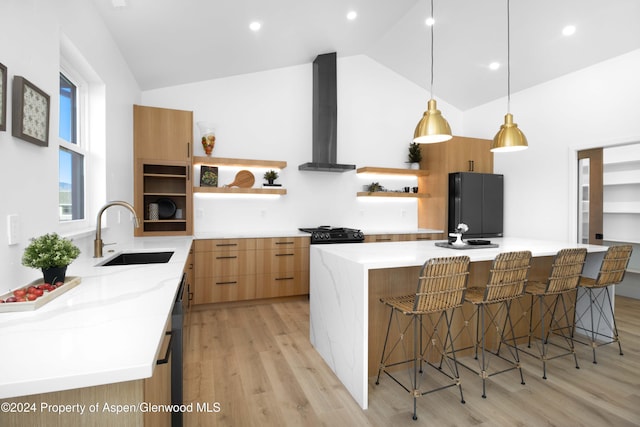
{"points": [[225, 263], [282, 285], [216, 245], [225, 288], [282, 242], [282, 260]]}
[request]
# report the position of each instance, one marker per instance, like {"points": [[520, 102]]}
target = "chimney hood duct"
{"points": [[325, 117]]}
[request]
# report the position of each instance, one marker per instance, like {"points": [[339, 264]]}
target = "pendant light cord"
{"points": [[508, 58], [432, 24]]}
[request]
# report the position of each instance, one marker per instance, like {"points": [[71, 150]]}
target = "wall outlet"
{"points": [[13, 229]]}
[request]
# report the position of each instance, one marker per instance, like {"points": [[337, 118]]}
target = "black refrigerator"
{"points": [[476, 199]]}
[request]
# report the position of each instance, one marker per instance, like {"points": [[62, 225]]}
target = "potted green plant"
{"points": [[51, 254], [374, 186], [270, 176], [415, 155]]}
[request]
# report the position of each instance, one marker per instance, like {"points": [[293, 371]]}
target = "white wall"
{"points": [[30, 32], [267, 116], [596, 107]]}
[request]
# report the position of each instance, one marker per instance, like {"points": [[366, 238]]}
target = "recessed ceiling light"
{"points": [[494, 65], [255, 26], [352, 15], [119, 3], [430, 21], [569, 30]]}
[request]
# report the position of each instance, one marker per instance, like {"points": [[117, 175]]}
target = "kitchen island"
{"points": [[100, 338], [347, 321]]}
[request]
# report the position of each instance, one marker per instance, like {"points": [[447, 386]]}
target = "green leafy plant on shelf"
{"points": [[415, 155], [270, 176], [375, 186]]}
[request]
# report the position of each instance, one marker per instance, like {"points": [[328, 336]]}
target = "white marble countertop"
{"points": [[415, 253], [107, 329]]}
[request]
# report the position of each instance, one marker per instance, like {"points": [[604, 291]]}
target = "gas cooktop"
{"points": [[327, 234]]}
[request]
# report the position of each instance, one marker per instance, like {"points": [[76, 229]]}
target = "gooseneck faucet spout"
{"points": [[97, 243]]}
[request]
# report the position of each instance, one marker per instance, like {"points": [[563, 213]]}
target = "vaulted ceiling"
{"points": [[171, 42]]}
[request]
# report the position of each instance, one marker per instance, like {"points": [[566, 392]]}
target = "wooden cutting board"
{"points": [[243, 179]]}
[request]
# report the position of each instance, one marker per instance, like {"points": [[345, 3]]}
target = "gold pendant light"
{"points": [[432, 127], [509, 137]]}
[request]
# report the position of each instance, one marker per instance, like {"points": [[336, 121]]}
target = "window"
{"points": [[71, 156], [81, 141]]}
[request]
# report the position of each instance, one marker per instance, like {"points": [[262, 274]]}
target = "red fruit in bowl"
{"points": [[1, 301], [58, 284], [18, 293], [11, 299], [21, 299], [38, 292], [31, 297]]}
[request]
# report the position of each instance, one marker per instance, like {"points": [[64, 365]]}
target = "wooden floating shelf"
{"points": [[392, 171], [391, 194], [221, 161], [235, 190]]}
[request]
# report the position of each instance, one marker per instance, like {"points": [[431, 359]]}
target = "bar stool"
{"points": [[442, 283], [598, 300], [507, 279], [563, 279]]}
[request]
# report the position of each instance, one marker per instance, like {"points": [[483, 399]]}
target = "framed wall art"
{"points": [[208, 176], [30, 110], [3, 97]]}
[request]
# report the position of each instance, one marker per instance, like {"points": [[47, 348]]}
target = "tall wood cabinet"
{"points": [[460, 154], [162, 141]]}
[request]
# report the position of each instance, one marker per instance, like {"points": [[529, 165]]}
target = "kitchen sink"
{"points": [[130, 258]]}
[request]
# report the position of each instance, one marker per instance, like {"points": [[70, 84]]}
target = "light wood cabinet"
{"points": [[460, 154], [162, 134], [224, 270], [373, 238], [282, 266], [245, 269], [162, 148]]}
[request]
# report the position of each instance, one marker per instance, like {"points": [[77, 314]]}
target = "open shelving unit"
{"points": [[621, 199], [373, 170], [165, 181], [238, 163]]}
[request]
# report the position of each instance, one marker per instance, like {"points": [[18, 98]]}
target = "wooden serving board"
{"points": [[243, 179], [7, 307]]}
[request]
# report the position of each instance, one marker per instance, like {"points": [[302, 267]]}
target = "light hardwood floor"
{"points": [[256, 364]]}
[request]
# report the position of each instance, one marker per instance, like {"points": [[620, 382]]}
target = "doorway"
{"points": [[590, 195]]}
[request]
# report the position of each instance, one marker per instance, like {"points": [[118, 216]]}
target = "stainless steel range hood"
{"points": [[325, 118]]}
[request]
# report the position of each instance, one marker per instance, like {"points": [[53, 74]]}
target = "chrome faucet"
{"points": [[97, 243]]}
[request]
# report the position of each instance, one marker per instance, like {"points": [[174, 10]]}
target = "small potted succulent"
{"points": [[375, 186], [51, 254], [270, 176], [415, 155]]}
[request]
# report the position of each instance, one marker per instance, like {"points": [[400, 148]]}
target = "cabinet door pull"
{"points": [[383, 239], [188, 150], [284, 243], [232, 282], [165, 359], [285, 278], [285, 254], [227, 257], [226, 244]]}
